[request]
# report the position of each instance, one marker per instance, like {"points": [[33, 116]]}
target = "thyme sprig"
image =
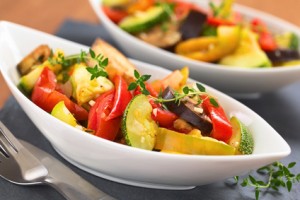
{"points": [[178, 96], [66, 62], [140, 82], [278, 175]]}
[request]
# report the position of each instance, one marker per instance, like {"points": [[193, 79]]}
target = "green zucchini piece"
{"points": [[287, 40], [142, 21], [241, 137], [28, 81], [138, 127]]}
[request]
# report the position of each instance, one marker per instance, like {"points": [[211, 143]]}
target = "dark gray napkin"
{"points": [[281, 109]]}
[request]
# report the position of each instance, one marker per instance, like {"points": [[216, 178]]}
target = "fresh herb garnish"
{"points": [[140, 81], [186, 91], [278, 176], [99, 68], [66, 62]]}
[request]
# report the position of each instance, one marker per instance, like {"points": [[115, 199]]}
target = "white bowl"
{"points": [[126, 164], [231, 80]]}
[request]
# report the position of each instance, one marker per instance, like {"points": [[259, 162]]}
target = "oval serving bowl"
{"points": [[126, 164], [232, 80]]}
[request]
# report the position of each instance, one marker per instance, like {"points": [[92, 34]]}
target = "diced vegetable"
{"points": [[287, 40], [144, 20], [172, 141], [97, 120], [138, 127], [46, 97], [211, 48], [61, 112], [222, 129], [28, 81], [248, 53], [85, 89], [241, 139], [188, 111]]}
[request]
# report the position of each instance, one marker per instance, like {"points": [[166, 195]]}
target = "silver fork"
{"points": [[20, 166]]}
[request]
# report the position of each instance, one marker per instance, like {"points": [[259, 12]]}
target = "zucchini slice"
{"points": [[241, 138], [138, 127], [142, 21]]}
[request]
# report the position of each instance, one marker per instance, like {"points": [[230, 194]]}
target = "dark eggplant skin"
{"points": [[185, 110], [283, 55], [192, 25]]}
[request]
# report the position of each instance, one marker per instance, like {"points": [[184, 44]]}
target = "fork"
{"points": [[18, 165]]}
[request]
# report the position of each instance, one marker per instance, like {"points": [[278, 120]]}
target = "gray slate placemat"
{"points": [[281, 109]]}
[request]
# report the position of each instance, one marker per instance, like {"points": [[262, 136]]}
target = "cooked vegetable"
{"points": [[118, 64], [283, 55], [138, 127], [164, 39], [28, 81], [172, 141], [186, 29], [287, 40], [121, 98], [193, 24], [46, 97], [98, 121], [241, 139], [211, 48], [85, 89], [132, 113], [61, 112], [248, 53], [189, 111], [222, 129], [36, 57], [143, 20]]}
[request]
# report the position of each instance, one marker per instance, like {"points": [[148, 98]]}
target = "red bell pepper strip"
{"points": [[46, 97], [163, 117], [222, 129], [107, 129], [113, 14], [121, 98]]}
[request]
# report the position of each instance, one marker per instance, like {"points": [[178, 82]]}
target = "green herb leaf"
{"points": [[214, 102], [92, 53], [136, 74], [185, 90], [200, 87], [132, 86], [292, 164]]}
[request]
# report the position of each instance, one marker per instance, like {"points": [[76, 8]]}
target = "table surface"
{"points": [[280, 109], [48, 15]]}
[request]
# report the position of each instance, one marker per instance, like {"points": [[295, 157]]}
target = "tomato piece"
{"points": [[113, 14], [164, 118], [121, 98], [267, 42], [46, 97], [107, 129], [222, 129]]}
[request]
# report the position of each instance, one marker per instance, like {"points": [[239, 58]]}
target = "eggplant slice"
{"points": [[189, 112]]}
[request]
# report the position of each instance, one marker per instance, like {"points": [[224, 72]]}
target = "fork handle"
{"points": [[73, 187]]}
